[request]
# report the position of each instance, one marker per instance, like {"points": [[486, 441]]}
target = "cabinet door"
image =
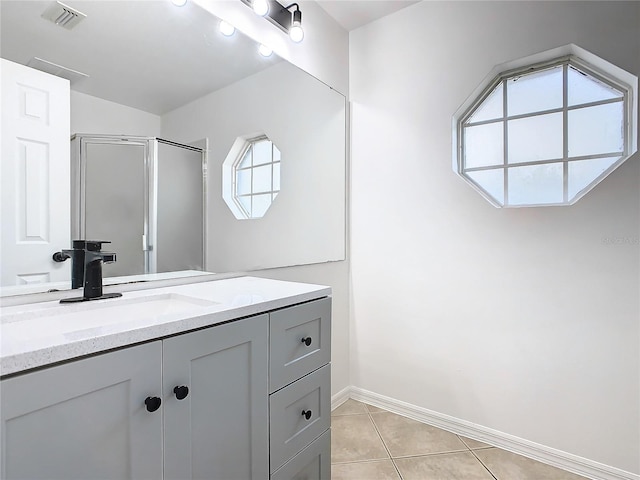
{"points": [[85, 420], [220, 430]]}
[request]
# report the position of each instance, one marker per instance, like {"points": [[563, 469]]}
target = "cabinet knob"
{"points": [[307, 414], [181, 392], [152, 403], [306, 341]]}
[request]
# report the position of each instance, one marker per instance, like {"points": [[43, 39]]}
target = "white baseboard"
{"points": [[340, 397], [550, 456]]}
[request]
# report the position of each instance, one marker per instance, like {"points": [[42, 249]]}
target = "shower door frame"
{"points": [[149, 239]]}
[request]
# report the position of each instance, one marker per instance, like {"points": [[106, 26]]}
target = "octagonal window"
{"points": [[547, 133], [251, 176]]}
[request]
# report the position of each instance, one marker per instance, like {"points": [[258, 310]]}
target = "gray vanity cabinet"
{"points": [[88, 419], [220, 429], [194, 405], [85, 419]]}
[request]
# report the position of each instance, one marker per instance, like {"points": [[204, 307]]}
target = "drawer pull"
{"points": [[181, 392], [306, 341], [307, 414], [152, 403]]}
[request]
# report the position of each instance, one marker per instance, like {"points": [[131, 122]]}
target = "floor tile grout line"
{"points": [[393, 462], [431, 454], [463, 442], [468, 449], [482, 463], [472, 448], [346, 414], [349, 462]]}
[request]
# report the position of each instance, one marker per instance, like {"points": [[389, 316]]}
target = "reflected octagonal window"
{"points": [[547, 133], [251, 176]]}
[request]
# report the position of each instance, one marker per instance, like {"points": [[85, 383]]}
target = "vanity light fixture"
{"points": [[226, 29], [264, 50], [281, 16], [295, 30]]}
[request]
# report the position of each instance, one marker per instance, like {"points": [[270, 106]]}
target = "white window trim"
{"points": [[229, 179], [247, 145], [569, 54]]}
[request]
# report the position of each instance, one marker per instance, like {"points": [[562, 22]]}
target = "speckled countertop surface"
{"points": [[40, 334]]}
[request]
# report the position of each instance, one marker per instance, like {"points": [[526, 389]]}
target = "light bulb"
{"points": [[179, 3], [261, 7], [296, 33], [264, 50], [295, 30], [226, 29]]}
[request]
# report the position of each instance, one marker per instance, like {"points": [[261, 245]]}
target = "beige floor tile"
{"points": [[509, 466], [448, 466], [350, 407], [404, 436], [373, 409], [377, 470], [354, 438], [473, 444]]}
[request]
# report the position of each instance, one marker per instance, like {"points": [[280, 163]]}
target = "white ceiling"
{"points": [[352, 14], [148, 55]]}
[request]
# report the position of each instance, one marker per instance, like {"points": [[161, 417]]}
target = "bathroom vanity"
{"points": [[228, 379]]}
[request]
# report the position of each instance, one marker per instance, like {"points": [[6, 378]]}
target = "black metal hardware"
{"points": [[60, 256], [307, 414], [152, 403], [306, 341], [181, 392], [87, 258]]}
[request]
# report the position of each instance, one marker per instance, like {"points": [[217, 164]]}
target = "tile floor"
{"points": [[368, 443]]}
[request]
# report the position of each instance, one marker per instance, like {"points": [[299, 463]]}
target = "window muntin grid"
{"points": [[509, 129], [256, 177]]}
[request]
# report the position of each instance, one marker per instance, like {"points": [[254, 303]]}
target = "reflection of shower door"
{"points": [[179, 208], [114, 200], [145, 196]]}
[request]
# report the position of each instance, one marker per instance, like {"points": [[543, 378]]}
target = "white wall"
{"points": [[525, 321], [97, 116]]}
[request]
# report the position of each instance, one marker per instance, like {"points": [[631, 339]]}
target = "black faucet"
{"points": [[87, 258]]}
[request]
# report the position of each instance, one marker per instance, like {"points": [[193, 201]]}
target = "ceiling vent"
{"points": [[57, 70], [63, 15]]}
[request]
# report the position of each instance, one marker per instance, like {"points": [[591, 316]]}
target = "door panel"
{"points": [[220, 430], [114, 191], [34, 175], [180, 218], [85, 419]]}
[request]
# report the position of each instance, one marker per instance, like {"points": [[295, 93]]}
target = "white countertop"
{"points": [[11, 290], [40, 334]]}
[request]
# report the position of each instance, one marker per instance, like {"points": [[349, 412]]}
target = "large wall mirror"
{"points": [[147, 69]]}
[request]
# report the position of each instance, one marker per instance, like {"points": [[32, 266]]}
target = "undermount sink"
{"points": [[81, 317]]}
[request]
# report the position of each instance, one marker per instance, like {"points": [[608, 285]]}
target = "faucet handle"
{"points": [[90, 245], [108, 257]]}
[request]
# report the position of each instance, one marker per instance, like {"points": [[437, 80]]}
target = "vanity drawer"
{"points": [[291, 357], [312, 463], [289, 408]]}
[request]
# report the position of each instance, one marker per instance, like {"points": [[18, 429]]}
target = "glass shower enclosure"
{"points": [[146, 196]]}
